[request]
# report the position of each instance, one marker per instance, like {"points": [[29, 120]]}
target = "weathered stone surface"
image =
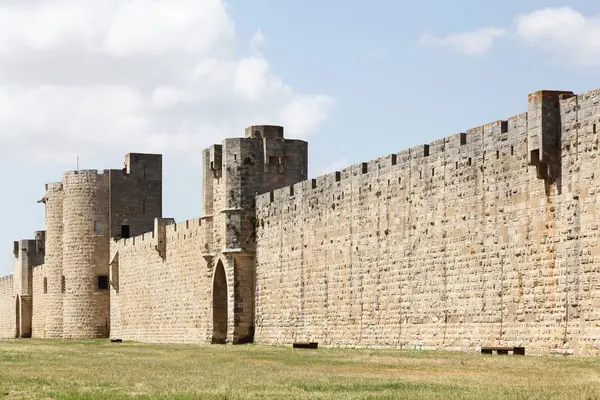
{"points": [[7, 307], [456, 244], [487, 237], [84, 212]]}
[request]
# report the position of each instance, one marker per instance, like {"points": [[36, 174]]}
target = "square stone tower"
{"points": [[234, 173], [85, 212]]}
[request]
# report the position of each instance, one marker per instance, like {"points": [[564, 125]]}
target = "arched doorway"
{"points": [[18, 318], [219, 305]]}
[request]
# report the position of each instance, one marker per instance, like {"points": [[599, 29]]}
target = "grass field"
{"points": [[98, 369]]}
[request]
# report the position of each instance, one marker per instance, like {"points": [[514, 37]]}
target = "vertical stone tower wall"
{"points": [[234, 173], [48, 310], [85, 254], [84, 213], [28, 254], [136, 195]]}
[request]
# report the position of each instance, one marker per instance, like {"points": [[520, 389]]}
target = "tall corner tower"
{"points": [[28, 254], [84, 214], [234, 173], [52, 303]]}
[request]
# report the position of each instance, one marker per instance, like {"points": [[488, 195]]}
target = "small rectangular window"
{"points": [[469, 162], [98, 226], [62, 284], [124, 231], [102, 282], [45, 285]]}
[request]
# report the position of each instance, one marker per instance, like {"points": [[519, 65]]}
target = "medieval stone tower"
{"points": [[234, 172], [486, 237], [84, 212]]}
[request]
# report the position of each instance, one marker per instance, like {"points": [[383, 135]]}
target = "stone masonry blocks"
{"points": [[486, 237]]}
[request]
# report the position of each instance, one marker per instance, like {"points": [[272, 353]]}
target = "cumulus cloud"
{"points": [[564, 32], [467, 43], [142, 75]]}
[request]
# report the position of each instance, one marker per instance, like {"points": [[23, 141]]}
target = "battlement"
{"points": [[264, 131], [166, 230], [147, 166], [92, 173], [474, 148]]}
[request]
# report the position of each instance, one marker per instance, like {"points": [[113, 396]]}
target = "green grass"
{"points": [[98, 369]]}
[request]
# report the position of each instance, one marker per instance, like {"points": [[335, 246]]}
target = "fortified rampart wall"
{"points": [[7, 307], [481, 238], [160, 284]]}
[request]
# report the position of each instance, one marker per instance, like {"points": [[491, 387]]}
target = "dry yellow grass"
{"points": [[98, 369]]}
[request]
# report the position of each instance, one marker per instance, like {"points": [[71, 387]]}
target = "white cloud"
{"points": [[305, 112], [257, 40], [468, 43], [564, 32], [142, 75]]}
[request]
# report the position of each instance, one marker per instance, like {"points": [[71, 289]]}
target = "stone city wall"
{"points": [[160, 285], [475, 239], [42, 319], [7, 307]]}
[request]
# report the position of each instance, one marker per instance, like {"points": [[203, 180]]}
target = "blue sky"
{"points": [[356, 79]]}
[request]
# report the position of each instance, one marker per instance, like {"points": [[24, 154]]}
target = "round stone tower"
{"points": [[53, 268], [86, 306]]}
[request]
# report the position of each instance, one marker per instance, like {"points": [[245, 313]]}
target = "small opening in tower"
{"points": [[143, 206], [432, 171], [98, 226], [456, 165], [497, 154], [45, 285], [62, 284], [420, 174], [426, 150], [274, 160], [594, 128], [394, 159], [469, 162], [102, 282], [512, 150], [124, 231]]}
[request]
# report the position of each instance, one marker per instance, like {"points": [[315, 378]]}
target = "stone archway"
{"points": [[219, 305], [18, 317]]}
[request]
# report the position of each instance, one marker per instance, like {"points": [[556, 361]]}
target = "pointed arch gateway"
{"points": [[219, 294]]}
